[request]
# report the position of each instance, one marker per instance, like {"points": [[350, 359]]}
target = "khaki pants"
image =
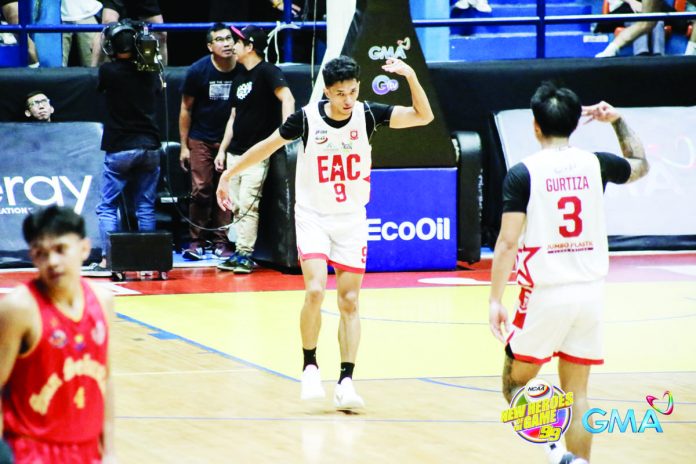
{"points": [[83, 40], [245, 193]]}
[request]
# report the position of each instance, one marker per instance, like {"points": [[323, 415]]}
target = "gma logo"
{"points": [[596, 425]]}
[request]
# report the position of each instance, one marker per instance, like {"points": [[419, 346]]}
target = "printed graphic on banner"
{"points": [[408, 228], [381, 30], [540, 412], [594, 420], [46, 164]]}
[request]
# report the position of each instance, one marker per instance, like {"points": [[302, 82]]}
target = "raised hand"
{"points": [[396, 66], [602, 112]]}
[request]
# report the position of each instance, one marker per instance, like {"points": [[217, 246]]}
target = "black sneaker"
{"points": [[95, 270], [244, 265], [229, 263], [194, 252]]}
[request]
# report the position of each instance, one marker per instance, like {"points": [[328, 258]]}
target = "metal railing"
{"points": [[541, 20]]}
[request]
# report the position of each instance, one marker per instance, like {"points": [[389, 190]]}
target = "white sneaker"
{"points": [[461, 5], [345, 396], [481, 5], [312, 388], [570, 458], [605, 54]]}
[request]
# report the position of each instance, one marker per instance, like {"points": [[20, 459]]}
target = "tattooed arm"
{"points": [[631, 146]]}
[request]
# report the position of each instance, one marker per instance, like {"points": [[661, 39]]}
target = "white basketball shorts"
{"points": [[339, 239], [563, 321]]}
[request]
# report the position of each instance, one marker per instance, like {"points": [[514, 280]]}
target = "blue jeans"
{"points": [[138, 169]]}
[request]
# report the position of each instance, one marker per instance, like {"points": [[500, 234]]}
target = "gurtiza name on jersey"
{"points": [[561, 184], [335, 168]]}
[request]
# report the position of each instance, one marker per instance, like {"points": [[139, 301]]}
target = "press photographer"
{"points": [[131, 136]]}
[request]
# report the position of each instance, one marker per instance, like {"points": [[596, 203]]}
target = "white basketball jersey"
{"points": [[333, 170], [565, 238]]}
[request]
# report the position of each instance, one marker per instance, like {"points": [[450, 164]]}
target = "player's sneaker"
{"points": [[312, 389], [570, 458], [345, 396]]}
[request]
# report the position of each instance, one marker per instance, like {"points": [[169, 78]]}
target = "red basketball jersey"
{"points": [[56, 391]]}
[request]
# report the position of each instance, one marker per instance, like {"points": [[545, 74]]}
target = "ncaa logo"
{"points": [[537, 390]]}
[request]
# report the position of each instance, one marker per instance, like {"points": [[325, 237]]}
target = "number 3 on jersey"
{"points": [[571, 207]]}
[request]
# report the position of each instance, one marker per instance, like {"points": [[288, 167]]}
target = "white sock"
{"points": [[555, 451], [611, 50], [690, 48]]}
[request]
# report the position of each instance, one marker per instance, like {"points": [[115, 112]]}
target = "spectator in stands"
{"points": [[691, 45], [261, 101], [144, 10], [131, 140], [205, 106], [646, 44], [635, 30], [479, 5], [245, 10], [79, 12], [10, 11], [38, 107]]}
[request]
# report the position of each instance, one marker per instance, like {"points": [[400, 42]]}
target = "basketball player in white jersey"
{"points": [[553, 223], [332, 187]]}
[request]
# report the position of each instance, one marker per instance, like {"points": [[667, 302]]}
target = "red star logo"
{"points": [[524, 254]]}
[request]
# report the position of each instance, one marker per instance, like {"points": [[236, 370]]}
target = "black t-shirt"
{"points": [[295, 126], [258, 110], [131, 102], [210, 90], [516, 186]]}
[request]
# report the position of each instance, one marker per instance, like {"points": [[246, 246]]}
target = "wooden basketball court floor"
{"points": [[207, 366]]}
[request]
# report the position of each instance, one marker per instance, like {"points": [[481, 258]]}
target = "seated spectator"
{"points": [[79, 12], [10, 11], [646, 44], [141, 10], [631, 33], [38, 107], [478, 5], [691, 45]]}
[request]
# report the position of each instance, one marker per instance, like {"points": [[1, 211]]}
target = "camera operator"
{"points": [[131, 137]]}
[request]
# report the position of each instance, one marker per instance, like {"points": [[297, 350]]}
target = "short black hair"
{"points": [[343, 68], [556, 109], [32, 94], [52, 221], [214, 28]]}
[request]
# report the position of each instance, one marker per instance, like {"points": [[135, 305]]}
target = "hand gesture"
{"points": [[602, 112], [396, 66], [222, 193], [498, 320]]}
